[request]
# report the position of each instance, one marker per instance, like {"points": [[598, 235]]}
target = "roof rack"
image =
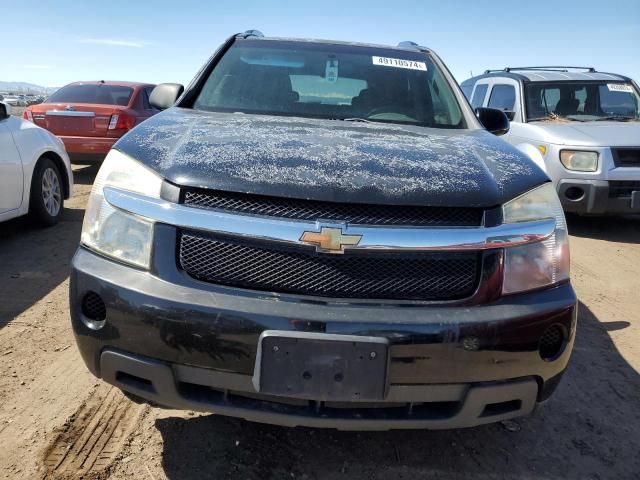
{"points": [[412, 45], [251, 33], [549, 69]]}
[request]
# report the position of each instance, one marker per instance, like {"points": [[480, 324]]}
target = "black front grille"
{"points": [[623, 188], [260, 266], [313, 210], [626, 157]]}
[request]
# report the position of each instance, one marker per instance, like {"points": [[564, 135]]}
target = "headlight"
{"points": [[542, 263], [110, 231], [579, 161]]}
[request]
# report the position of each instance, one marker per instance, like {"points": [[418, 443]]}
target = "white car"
{"points": [[35, 172], [15, 100]]}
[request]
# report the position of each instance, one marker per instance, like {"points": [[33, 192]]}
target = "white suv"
{"points": [[581, 126]]}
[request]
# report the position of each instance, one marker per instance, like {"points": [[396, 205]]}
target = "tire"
{"points": [[47, 194]]}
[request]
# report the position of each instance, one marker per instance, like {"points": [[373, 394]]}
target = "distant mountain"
{"points": [[24, 87]]}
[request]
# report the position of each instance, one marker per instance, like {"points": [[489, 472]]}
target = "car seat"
{"points": [[567, 106]]}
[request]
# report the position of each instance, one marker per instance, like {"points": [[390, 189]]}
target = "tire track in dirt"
{"points": [[93, 437], [48, 388], [51, 390]]}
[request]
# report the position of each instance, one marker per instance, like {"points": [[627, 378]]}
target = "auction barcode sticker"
{"points": [[399, 63], [620, 87]]}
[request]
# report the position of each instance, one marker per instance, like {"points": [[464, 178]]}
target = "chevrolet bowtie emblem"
{"points": [[330, 239]]}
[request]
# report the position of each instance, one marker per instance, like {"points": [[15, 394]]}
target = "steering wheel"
{"points": [[395, 110]]}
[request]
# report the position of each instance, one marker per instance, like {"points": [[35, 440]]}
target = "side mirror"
{"points": [[510, 114], [165, 95], [5, 110], [494, 120]]}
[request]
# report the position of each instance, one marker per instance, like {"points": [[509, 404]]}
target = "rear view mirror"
{"points": [[165, 95], [494, 120], [5, 110]]}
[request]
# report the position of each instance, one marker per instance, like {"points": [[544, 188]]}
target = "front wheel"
{"points": [[47, 198]]}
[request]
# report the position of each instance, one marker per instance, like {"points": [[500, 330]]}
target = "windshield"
{"points": [[331, 81], [100, 94], [582, 101]]}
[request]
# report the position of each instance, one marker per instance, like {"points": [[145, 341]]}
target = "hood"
{"points": [[592, 134], [331, 160]]}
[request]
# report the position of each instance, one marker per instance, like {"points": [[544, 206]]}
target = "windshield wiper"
{"points": [[356, 119], [555, 116], [617, 118]]}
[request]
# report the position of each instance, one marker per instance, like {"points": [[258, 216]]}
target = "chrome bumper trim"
{"points": [[373, 238], [69, 113]]}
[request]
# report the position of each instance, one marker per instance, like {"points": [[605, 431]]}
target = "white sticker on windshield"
{"points": [[331, 71], [399, 63], [620, 87]]}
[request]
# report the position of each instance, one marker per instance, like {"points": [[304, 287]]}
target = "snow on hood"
{"points": [[331, 160]]}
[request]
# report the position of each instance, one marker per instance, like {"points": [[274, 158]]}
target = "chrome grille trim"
{"points": [[374, 238]]}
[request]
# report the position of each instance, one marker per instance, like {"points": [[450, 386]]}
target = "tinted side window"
{"points": [[467, 89], [503, 97], [478, 95], [146, 93]]}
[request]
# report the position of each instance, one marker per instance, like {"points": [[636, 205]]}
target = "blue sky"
{"points": [[54, 43]]}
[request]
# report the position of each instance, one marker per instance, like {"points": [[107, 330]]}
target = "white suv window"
{"points": [[478, 95], [503, 97]]}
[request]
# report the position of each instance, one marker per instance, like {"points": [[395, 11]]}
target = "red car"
{"points": [[89, 117]]}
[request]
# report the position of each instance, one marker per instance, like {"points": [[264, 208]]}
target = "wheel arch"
{"points": [[55, 158]]}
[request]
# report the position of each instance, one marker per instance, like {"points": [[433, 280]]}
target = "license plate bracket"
{"points": [[319, 366]]}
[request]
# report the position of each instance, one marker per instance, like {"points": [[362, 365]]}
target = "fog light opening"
{"points": [[574, 194], [552, 343], [136, 382], [501, 408], [94, 311]]}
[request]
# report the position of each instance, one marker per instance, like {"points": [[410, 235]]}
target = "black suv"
{"points": [[325, 234]]}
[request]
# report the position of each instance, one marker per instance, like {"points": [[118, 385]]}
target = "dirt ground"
{"points": [[57, 421]]}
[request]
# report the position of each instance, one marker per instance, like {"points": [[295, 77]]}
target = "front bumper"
{"points": [[446, 406], [187, 344], [598, 197]]}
